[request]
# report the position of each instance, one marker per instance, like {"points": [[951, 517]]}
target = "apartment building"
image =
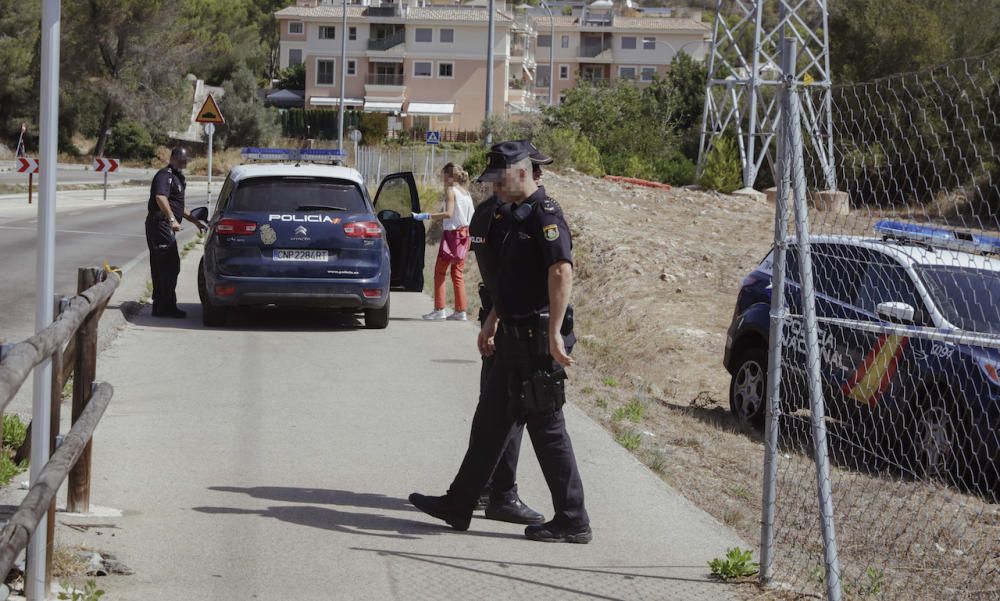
{"points": [[424, 65], [602, 43]]}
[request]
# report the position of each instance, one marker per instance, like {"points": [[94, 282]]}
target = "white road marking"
{"points": [[109, 234]]}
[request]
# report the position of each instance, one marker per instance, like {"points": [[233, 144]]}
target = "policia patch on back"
{"points": [[551, 232]]}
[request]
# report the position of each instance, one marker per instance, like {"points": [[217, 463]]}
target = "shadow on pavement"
{"points": [[590, 581], [348, 522], [253, 319]]}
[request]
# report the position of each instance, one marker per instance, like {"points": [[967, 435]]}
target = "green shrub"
{"points": [[737, 564], [373, 128], [14, 431], [475, 163], [722, 169], [130, 140], [567, 11], [570, 148], [677, 170]]}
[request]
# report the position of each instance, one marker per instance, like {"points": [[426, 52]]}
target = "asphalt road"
{"points": [[89, 231], [73, 175]]}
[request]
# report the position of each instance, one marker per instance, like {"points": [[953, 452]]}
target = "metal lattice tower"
{"points": [[744, 77]]}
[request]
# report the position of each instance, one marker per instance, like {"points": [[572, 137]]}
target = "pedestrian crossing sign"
{"points": [[209, 112], [433, 137]]}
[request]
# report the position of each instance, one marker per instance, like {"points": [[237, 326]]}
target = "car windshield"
{"points": [[297, 194], [968, 298]]}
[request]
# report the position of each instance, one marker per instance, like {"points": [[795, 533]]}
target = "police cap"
{"points": [[502, 156]]}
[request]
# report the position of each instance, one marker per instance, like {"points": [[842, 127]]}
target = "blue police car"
{"points": [[909, 338], [303, 234]]}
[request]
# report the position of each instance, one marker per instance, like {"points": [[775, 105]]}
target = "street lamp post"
{"points": [[489, 68], [552, 51], [343, 81]]}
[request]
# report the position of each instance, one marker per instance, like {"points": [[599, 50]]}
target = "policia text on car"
{"points": [[165, 210], [526, 384]]}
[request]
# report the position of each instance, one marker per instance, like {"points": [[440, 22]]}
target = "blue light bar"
{"points": [[319, 155], [939, 237]]}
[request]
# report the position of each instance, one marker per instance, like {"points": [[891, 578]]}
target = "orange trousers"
{"points": [[457, 279]]}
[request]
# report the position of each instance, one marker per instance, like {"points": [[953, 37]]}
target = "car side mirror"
{"points": [[896, 312], [200, 214]]}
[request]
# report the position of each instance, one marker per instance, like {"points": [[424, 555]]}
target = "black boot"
{"points": [[550, 532], [442, 509], [512, 510]]}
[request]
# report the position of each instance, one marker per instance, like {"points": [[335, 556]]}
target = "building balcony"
{"points": [[387, 10], [388, 42], [385, 84]]}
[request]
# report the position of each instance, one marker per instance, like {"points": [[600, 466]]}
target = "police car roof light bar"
{"points": [[312, 155], [938, 237]]}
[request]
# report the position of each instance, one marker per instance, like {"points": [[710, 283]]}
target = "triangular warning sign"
{"points": [[209, 112]]}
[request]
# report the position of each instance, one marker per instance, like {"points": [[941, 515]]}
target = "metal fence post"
{"points": [[813, 357], [777, 330]]}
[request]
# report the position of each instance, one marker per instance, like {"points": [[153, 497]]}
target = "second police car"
{"points": [[290, 232], [909, 337]]}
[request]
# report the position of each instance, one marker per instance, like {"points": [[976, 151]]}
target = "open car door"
{"points": [[395, 203]]}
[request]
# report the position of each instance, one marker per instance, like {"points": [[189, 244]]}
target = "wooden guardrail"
{"points": [[71, 342]]}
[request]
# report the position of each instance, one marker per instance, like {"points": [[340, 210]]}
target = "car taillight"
{"points": [[235, 227], [371, 292], [363, 229]]}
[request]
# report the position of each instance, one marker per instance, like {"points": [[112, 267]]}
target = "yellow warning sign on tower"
{"points": [[209, 112]]}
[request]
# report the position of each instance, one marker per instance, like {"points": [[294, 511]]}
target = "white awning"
{"points": [[430, 108], [334, 101], [376, 106]]}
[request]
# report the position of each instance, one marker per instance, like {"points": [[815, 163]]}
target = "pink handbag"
{"points": [[454, 245]]}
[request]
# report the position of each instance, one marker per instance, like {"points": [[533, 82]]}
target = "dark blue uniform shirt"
{"points": [[480, 227], [170, 183], [535, 238]]}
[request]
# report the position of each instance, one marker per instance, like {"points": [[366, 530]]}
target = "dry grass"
{"points": [[69, 562]]}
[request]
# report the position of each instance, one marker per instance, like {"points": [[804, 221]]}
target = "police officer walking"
{"points": [[165, 211], [526, 328], [499, 499]]}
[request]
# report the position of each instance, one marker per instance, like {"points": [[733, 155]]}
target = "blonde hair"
{"points": [[456, 173]]}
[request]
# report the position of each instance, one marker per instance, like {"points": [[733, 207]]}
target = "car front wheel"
{"points": [[748, 387]]}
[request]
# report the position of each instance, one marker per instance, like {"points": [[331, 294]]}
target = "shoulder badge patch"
{"points": [[551, 232], [550, 206]]}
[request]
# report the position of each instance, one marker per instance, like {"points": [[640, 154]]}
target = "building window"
{"points": [[352, 67], [352, 33], [565, 41], [294, 57], [325, 68], [295, 27], [628, 43], [649, 43], [425, 34], [440, 119], [544, 41], [327, 32], [422, 68], [447, 36], [446, 70], [648, 73], [542, 73], [626, 72], [563, 71]]}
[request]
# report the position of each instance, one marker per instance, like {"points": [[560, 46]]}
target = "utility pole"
{"points": [[489, 66], [35, 580], [745, 76], [552, 52], [343, 80]]}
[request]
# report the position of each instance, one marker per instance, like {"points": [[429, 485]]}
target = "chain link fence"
{"points": [[425, 162], [883, 436]]}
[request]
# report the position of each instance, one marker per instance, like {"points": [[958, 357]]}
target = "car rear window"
{"points": [[297, 194]]}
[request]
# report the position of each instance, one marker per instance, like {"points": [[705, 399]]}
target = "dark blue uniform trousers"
{"points": [[164, 263], [494, 426], [502, 486]]}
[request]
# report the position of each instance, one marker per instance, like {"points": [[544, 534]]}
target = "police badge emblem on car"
{"points": [[267, 235]]}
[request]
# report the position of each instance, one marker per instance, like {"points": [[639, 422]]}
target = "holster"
{"points": [[537, 384]]}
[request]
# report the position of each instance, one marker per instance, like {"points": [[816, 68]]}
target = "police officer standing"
{"points": [[499, 499], [526, 383], [165, 211]]}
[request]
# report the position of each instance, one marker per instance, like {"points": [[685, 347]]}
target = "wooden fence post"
{"points": [[85, 372]]}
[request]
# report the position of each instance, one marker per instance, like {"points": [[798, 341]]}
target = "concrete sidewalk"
{"points": [[272, 460]]}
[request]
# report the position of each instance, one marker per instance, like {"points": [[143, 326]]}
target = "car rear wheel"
{"points": [[211, 317], [748, 387], [377, 319]]}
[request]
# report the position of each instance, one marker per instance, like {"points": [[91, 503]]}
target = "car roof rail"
{"points": [[333, 156], [938, 237]]}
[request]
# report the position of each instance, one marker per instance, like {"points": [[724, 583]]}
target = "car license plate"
{"points": [[301, 255]]}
